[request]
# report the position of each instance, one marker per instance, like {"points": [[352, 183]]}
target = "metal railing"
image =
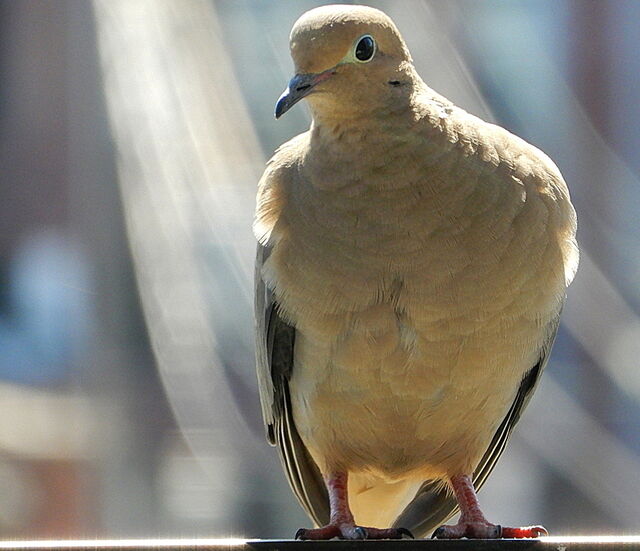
{"points": [[571, 543]]}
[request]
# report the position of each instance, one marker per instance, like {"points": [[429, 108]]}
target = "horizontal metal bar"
{"points": [[589, 543]]}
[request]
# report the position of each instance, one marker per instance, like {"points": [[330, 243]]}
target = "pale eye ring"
{"points": [[365, 48]]}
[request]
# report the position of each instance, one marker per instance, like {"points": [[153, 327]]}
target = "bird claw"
{"points": [[351, 532], [361, 533], [486, 530], [469, 530], [405, 532], [438, 533]]}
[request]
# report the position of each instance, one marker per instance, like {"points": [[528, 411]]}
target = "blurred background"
{"points": [[132, 135]]}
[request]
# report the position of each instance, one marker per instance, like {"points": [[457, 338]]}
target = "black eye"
{"points": [[365, 49]]}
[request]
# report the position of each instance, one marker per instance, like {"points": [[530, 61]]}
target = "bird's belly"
{"points": [[397, 408]]}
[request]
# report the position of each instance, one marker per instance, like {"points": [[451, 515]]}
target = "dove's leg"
{"points": [[341, 523], [472, 523]]}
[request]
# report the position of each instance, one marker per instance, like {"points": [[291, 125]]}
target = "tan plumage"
{"points": [[412, 266]]}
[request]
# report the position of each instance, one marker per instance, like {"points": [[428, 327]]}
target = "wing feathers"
{"points": [[275, 341]]}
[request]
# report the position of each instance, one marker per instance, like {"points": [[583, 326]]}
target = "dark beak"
{"points": [[299, 87]]}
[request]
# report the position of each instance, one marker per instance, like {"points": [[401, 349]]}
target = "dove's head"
{"points": [[348, 59]]}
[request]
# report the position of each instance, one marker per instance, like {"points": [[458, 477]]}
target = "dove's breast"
{"points": [[418, 310]]}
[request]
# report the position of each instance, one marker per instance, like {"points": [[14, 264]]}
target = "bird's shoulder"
{"points": [[501, 169], [482, 146]]}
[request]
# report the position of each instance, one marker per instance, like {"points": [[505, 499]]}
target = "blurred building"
{"points": [[83, 414]]}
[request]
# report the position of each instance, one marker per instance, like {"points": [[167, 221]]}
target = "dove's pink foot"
{"points": [[472, 523], [352, 532], [486, 530], [341, 524]]}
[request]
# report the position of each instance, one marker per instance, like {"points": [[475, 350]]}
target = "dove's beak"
{"points": [[300, 86]]}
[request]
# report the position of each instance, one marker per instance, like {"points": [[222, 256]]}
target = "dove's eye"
{"points": [[365, 48]]}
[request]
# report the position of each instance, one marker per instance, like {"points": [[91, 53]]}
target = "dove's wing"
{"points": [[275, 341], [433, 503]]}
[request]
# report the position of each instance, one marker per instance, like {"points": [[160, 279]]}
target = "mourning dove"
{"points": [[412, 264]]}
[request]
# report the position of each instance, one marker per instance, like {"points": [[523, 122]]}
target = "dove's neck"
{"points": [[369, 150], [338, 119]]}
